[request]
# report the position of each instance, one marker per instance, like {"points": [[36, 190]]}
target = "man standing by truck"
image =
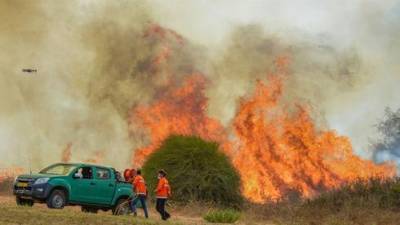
{"points": [[163, 191], [139, 186]]}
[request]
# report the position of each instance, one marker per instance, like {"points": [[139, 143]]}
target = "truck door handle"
{"points": [[92, 183], [110, 185]]}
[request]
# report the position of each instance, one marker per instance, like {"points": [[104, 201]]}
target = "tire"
{"points": [[24, 202], [122, 207], [88, 209], [56, 200]]}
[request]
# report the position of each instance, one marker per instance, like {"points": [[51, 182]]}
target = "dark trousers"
{"points": [[142, 199], [160, 207]]}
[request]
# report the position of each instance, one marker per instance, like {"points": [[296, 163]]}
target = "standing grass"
{"points": [[222, 216], [362, 202]]}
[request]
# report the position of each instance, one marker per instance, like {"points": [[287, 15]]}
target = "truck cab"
{"points": [[92, 187]]}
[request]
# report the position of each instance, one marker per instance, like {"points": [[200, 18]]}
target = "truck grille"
{"points": [[23, 188], [24, 184], [28, 180]]}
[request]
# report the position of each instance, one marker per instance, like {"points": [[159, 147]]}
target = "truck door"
{"points": [[82, 186], [105, 185]]}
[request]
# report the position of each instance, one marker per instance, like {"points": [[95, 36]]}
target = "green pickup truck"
{"points": [[92, 187]]}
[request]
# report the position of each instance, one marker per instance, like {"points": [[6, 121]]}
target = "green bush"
{"points": [[197, 171], [222, 216]]}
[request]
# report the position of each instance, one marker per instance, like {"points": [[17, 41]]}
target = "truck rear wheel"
{"points": [[24, 202], [88, 209], [56, 200], [122, 207]]}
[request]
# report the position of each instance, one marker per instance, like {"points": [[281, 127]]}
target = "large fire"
{"points": [[180, 110], [180, 106], [282, 153], [276, 148], [277, 153]]}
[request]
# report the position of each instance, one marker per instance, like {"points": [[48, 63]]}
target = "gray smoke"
{"points": [[94, 65], [387, 146]]}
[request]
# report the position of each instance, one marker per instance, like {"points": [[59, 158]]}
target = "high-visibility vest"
{"points": [[163, 189], [139, 185]]}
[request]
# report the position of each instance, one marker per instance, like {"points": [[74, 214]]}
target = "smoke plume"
{"points": [[98, 60]]}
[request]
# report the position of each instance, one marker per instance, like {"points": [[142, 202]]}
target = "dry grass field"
{"points": [[39, 214], [371, 203], [348, 214]]}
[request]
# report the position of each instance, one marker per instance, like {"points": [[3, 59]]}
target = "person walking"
{"points": [[163, 191], [139, 186]]}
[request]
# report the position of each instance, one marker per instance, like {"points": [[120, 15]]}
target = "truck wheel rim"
{"points": [[123, 209], [58, 201]]}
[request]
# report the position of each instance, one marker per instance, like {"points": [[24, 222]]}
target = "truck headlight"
{"points": [[41, 180]]}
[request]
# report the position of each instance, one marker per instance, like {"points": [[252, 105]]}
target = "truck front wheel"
{"points": [[24, 202], [56, 200], [122, 207]]}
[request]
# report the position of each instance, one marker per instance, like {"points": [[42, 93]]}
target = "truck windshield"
{"points": [[58, 169]]}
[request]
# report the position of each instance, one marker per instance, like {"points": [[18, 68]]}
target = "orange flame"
{"points": [[180, 110], [66, 153], [280, 154], [156, 31], [97, 158], [180, 106]]}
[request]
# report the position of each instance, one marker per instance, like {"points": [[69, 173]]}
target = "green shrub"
{"points": [[222, 216], [197, 171]]}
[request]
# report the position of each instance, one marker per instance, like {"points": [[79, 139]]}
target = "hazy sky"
{"points": [[49, 109], [371, 27]]}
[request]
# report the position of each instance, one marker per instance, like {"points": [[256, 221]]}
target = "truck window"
{"points": [[118, 176], [87, 173], [102, 173], [58, 169]]}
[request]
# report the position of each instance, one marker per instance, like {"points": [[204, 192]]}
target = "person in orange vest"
{"points": [[163, 191], [140, 189]]}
